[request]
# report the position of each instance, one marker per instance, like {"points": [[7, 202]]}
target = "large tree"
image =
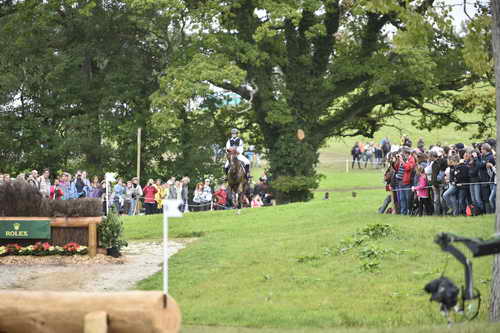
{"points": [[327, 67], [75, 81]]}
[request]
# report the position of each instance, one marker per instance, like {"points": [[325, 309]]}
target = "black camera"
{"points": [[443, 291]]}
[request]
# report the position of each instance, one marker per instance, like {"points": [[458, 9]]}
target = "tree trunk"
{"points": [[495, 279], [292, 166]]}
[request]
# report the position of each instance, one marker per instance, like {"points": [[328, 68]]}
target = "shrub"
{"points": [[376, 231], [349, 243], [290, 189], [370, 266], [110, 231], [372, 252]]}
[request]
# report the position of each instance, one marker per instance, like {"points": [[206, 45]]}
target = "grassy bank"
{"points": [[469, 328], [279, 267]]}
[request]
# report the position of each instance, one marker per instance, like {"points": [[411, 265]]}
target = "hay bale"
{"points": [[19, 198], [84, 207]]}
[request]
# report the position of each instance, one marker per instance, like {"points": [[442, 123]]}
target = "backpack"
{"points": [[471, 210]]}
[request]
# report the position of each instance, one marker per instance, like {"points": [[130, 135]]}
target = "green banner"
{"points": [[25, 229]]}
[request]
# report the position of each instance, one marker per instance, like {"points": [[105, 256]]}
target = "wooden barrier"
{"points": [[68, 222], [71, 312]]}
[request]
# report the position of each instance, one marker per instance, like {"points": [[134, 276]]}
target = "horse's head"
{"points": [[231, 153]]}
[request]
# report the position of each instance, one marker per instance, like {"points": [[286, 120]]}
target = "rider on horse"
{"points": [[237, 143]]}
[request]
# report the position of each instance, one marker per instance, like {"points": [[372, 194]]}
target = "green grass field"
{"points": [[280, 269]]}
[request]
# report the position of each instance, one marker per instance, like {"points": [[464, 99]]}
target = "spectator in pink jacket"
{"points": [[422, 189]]}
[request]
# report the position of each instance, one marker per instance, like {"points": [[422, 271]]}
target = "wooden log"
{"points": [[92, 240], [96, 322], [64, 312], [67, 222]]}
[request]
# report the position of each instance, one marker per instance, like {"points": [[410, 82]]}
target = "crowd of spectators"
{"points": [[441, 180], [132, 199], [370, 153]]}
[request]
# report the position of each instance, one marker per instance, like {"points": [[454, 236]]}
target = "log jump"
{"points": [[76, 312]]}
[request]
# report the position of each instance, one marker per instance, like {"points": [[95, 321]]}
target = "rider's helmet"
{"points": [[234, 131]]}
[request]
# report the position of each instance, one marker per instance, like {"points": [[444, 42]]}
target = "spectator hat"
{"points": [[234, 131]]}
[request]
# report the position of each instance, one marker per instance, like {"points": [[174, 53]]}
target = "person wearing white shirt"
{"points": [[236, 142]]}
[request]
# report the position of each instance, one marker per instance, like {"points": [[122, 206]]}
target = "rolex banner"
{"points": [[26, 229]]}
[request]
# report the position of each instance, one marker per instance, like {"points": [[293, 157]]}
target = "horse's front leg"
{"points": [[235, 200]]}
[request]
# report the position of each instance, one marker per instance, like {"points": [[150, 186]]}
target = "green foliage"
{"points": [[349, 243], [110, 231], [370, 266], [376, 231], [77, 78], [373, 252], [478, 53], [292, 170], [75, 83], [306, 259], [325, 67], [291, 189], [369, 253]]}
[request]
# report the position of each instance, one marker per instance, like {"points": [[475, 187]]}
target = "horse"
{"points": [[237, 179]]}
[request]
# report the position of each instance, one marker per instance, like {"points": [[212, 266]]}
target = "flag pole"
{"points": [[165, 254]]}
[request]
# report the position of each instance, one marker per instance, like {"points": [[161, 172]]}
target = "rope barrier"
{"points": [[479, 183], [408, 189], [459, 185]]}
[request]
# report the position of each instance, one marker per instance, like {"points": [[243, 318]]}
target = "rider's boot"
{"points": [[247, 171], [226, 170]]}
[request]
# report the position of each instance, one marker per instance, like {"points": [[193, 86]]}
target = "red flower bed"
{"points": [[43, 249]]}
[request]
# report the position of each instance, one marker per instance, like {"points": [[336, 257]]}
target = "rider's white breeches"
{"points": [[242, 158]]}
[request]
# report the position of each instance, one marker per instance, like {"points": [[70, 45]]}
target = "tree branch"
{"points": [[324, 44], [446, 115], [243, 91], [361, 107]]}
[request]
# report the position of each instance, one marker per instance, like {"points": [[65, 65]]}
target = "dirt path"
{"points": [[140, 260]]}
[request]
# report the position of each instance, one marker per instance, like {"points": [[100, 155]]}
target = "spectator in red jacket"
{"points": [[56, 193], [149, 197], [406, 166], [221, 197]]}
